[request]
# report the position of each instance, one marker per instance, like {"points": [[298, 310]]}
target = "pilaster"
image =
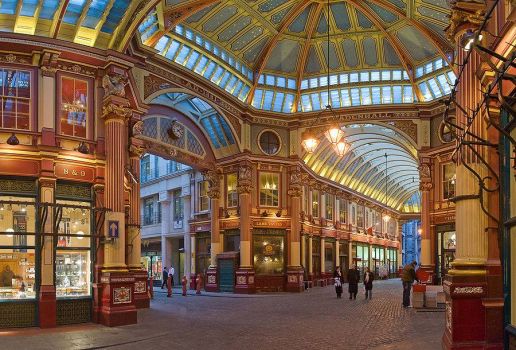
{"points": [[294, 270], [213, 177]]}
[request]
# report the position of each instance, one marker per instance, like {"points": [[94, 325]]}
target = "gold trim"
{"points": [[454, 272]]}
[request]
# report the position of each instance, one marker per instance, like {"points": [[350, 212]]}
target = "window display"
{"points": [[329, 256], [15, 98], [74, 106], [232, 194], [73, 272], [269, 252], [269, 189], [330, 201], [17, 255]]}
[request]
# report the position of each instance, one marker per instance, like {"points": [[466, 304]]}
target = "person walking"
{"points": [[368, 283], [408, 278], [164, 277], [171, 272], [339, 279], [353, 278]]}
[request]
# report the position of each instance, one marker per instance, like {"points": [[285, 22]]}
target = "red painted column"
{"points": [[294, 269], [213, 177]]}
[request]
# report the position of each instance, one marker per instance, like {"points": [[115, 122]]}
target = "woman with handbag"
{"points": [[368, 283], [339, 279]]}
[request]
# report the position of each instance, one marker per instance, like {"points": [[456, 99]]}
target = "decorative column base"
{"points": [[118, 304], [47, 307], [141, 294], [245, 281], [211, 280], [469, 318], [295, 280]]}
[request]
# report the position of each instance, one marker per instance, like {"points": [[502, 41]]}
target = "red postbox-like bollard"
{"points": [[169, 286], [198, 283], [183, 283]]}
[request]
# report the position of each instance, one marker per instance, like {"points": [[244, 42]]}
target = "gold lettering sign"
{"points": [[70, 171]]}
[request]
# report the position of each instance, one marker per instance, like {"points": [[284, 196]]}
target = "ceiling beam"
{"points": [[262, 59], [306, 49], [58, 19], [406, 62], [176, 15]]}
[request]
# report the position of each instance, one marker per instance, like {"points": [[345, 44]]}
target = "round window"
{"points": [[269, 143], [446, 134]]}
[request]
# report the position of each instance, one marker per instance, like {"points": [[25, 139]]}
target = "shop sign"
{"points": [[230, 224], [113, 228], [270, 223], [73, 172]]}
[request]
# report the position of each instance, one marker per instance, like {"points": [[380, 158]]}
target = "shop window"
{"points": [[448, 181], [74, 106], [330, 203], [73, 268], [202, 253], [315, 203], [360, 216], [269, 189], [329, 257], [269, 253], [204, 200], [15, 99], [343, 256], [343, 211], [360, 254], [17, 255], [316, 256], [232, 194], [178, 206], [232, 241]]}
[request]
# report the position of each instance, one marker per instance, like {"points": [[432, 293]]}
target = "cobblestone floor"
{"points": [[311, 320]]}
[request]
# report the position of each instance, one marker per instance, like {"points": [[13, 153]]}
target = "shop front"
{"points": [[392, 262], [378, 258], [202, 253], [269, 259], [344, 257], [360, 256], [151, 259], [329, 256], [445, 252]]}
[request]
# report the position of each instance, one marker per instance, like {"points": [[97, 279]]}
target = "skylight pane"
{"points": [[386, 75], [344, 95], [218, 73], [419, 72], [375, 75], [364, 76], [408, 95], [429, 68], [316, 102], [244, 92], [355, 97], [405, 75], [425, 91], [172, 50], [225, 79], [161, 44], [304, 84], [324, 99], [397, 94], [269, 80], [209, 70], [439, 64], [238, 88], [180, 29], [323, 81], [183, 53], [257, 99], [231, 84], [313, 83], [192, 60], [443, 82], [200, 66], [292, 84], [396, 75], [267, 100], [281, 82], [335, 98], [386, 95], [434, 87], [278, 101], [289, 103], [334, 79], [305, 103], [452, 78], [344, 78], [376, 95], [261, 79], [353, 77], [366, 96]]}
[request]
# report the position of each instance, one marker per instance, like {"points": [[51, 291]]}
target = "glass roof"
{"points": [[363, 168], [272, 54]]}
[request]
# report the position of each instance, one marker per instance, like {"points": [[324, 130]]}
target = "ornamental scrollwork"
{"points": [[245, 177], [114, 111], [213, 177], [465, 13], [138, 128]]}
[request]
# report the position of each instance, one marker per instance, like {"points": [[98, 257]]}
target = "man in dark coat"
{"points": [[368, 283], [165, 277], [408, 278], [353, 278]]}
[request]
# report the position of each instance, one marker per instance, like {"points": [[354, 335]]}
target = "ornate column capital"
{"points": [[295, 181], [425, 173], [465, 14], [48, 62], [115, 111], [213, 177], [425, 186], [245, 177]]}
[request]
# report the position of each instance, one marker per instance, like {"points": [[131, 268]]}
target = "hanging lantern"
{"points": [[10, 230], [309, 141], [334, 134], [341, 148]]}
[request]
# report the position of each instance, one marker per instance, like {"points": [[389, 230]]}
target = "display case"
{"points": [[72, 273]]}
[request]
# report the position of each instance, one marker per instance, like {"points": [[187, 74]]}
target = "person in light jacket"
{"points": [[339, 280], [368, 283]]}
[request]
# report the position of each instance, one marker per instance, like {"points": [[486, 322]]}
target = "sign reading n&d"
{"points": [[113, 228]]}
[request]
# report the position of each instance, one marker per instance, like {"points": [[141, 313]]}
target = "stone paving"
{"points": [[310, 320]]}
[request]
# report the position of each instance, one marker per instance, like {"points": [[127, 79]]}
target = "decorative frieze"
{"points": [[122, 295], [76, 69], [245, 175], [470, 290], [213, 177], [140, 287], [115, 111]]}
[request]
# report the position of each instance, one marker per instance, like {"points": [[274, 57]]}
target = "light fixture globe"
{"points": [[334, 134], [10, 230], [309, 141], [341, 148], [386, 217]]}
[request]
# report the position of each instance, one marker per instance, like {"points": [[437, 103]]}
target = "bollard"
{"points": [[183, 283], [151, 287], [169, 286]]}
